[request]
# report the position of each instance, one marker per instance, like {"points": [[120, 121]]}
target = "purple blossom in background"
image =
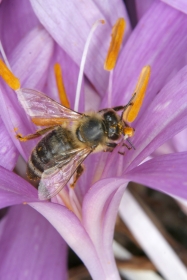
{"points": [[39, 33]]}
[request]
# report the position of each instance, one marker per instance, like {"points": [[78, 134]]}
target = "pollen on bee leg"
{"points": [[132, 111], [60, 85], [9, 77], [115, 44], [21, 138]]}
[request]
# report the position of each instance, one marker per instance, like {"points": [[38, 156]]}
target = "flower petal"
{"points": [[142, 7], [112, 10], [151, 240], [70, 72], [165, 117], [30, 247], [99, 210], [166, 173], [69, 24], [29, 61], [180, 5], [8, 152], [164, 51], [16, 20], [14, 189], [179, 141], [71, 229]]}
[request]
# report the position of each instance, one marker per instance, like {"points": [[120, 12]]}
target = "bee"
{"points": [[69, 137]]}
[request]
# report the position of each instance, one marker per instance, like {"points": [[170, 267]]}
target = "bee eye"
{"points": [[110, 117], [111, 124]]}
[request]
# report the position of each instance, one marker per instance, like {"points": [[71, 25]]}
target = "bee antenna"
{"points": [[128, 104], [83, 60], [132, 146]]}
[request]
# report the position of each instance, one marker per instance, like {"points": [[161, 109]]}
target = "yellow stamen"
{"points": [[60, 85], [115, 44], [129, 131], [9, 77], [132, 112]]}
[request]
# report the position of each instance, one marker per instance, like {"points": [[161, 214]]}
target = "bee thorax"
{"points": [[91, 132]]}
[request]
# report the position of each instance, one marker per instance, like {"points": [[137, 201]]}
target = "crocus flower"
{"points": [[85, 217]]}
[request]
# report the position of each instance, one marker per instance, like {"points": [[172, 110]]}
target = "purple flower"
{"points": [[85, 217]]}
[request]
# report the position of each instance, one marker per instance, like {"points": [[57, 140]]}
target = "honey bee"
{"points": [[69, 136]]}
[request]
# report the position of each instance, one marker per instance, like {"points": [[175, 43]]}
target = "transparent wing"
{"points": [[38, 105], [59, 171]]}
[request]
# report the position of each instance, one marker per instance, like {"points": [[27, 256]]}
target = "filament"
{"points": [[83, 60], [4, 56], [110, 89]]}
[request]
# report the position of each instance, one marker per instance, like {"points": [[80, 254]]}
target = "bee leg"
{"points": [[110, 147], [125, 145], [34, 135], [78, 173], [121, 153]]}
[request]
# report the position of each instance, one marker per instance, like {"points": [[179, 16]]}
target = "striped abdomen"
{"points": [[57, 141]]}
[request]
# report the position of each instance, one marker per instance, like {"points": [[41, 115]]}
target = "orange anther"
{"points": [[115, 44], [132, 111], [9, 77], [60, 85]]}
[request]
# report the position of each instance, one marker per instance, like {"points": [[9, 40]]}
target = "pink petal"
{"points": [[30, 247], [99, 209], [151, 240], [112, 10], [165, 117], [8, 152], [14, 189], [179, 141], [142, 7], [155, 41], [17, 18], [70, 23], [30, 61], [180, 5], [71, 229], [70, 72], [166, 173]]}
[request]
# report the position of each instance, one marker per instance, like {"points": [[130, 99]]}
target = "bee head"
{"points": [[112, 124]]}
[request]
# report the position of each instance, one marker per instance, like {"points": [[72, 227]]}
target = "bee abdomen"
{"points": [[57, 141], [34, 167]]}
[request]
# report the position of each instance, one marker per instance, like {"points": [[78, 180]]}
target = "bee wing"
{"points": [[59, 172], [38, 105]]}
